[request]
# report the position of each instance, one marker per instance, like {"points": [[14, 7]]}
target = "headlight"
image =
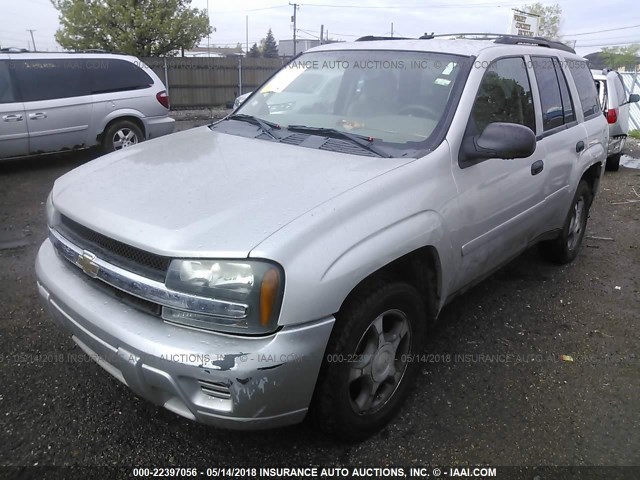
{"points": [[248, 294]]}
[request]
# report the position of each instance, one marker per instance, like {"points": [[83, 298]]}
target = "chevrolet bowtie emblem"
{"points": [[86, 262]]}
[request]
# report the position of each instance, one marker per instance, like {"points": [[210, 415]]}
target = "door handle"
{"points": [[537, 167], [579, 146], [37, 115], [12, 118]]}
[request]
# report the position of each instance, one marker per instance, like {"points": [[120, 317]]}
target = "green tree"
{"points": [[550, 18], [616, 57], [268, 46], [143, 28], [254, 51]]}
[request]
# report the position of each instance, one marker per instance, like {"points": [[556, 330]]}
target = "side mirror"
{"points": [[499, 140], [634, 98]]}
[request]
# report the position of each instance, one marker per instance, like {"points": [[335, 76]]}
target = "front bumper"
{"points": [[223, 380], [158, 126]]}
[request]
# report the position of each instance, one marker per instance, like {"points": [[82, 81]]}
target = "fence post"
{"points": [[239, 75], [166, 77]]}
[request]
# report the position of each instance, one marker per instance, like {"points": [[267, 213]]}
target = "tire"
{"points": [[121, 134], [565, 248], [613, 163], [357, 392]]}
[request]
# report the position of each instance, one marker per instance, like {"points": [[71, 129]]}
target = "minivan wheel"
{"points": [[368, 367], [566, 247], [613, 163], [121, 135]]}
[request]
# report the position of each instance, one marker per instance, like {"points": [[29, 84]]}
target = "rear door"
{"points": [[57, 101], [562, 138], [14, 136]]}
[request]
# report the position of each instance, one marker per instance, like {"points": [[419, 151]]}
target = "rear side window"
{"points": [[504, 96], [585, 86], [50, 79], [114, 75], [557, 105], [6, 88]]}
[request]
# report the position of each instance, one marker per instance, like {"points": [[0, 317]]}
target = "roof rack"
{"points": [[505, 39], [372, 38]]}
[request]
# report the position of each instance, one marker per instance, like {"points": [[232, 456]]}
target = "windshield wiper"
{"points": [[360, 140], [264, 125]]}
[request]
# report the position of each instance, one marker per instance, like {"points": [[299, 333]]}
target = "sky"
{"points": [[592, 25]]}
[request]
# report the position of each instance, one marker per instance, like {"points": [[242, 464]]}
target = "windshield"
{"points": [[396, 99]]}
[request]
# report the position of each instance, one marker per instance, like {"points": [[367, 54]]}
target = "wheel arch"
{"points": [[126, 117]]}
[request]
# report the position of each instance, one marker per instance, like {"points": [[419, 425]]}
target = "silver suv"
{"points": [[270, 265], [50, 102]]}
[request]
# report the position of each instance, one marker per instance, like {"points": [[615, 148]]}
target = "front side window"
{"points": [[585, 86], [6, 88], [49, 79], [397, 99], [504, 96]]}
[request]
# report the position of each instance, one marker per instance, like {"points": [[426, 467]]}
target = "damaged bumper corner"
{"points": [[223, 380]]}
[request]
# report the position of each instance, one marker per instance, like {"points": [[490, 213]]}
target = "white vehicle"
{"points": [[615, 102], [52, 102], [275, 264]]}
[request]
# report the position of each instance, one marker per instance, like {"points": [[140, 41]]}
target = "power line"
{"points": [[602, 31]]}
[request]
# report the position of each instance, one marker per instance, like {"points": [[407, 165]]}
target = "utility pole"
{"points": [[32, 40], [247, 34], [293, 19], [208, 34], [391, 29], [321, 34]]}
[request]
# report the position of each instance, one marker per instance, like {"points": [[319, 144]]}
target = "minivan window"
{"points": [[6, 89], [396, 98], [115, 75], [504, 96], [48, 79], [585, 86]]}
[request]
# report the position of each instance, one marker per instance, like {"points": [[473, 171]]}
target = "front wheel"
{"points": [[121, 135], [368, 367], [566, 247]]}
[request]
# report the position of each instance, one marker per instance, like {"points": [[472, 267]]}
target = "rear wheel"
{"points": [[566, 247], [367, 370], [121, 134]]}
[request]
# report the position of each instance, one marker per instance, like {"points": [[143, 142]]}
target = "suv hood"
{"points": [[200, 193]]}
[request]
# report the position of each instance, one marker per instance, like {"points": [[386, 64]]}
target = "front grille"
{"points": [[117, 253], [126, 298]]}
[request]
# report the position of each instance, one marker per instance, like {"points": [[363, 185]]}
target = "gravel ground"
{"points": [[498, 393]]}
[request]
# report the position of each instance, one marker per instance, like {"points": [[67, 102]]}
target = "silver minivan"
{"points": [[51, 102], [615, 102]]}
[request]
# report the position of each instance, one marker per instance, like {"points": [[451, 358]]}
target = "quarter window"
{"points": [[114, 75], [504, 96], [585, 86]]}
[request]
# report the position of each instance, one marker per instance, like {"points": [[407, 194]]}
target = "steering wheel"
{"points": [[419, 111]]}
